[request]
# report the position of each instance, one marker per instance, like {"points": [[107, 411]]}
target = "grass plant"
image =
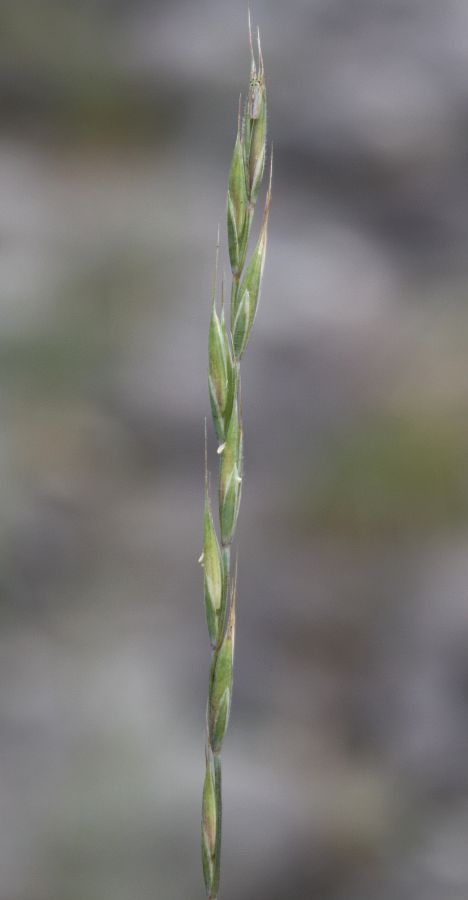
{"points": [[226, 346]]}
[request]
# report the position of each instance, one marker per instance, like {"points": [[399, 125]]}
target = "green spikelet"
{"points": [[242, 324], [217, 372], [245, 300], [221, 686], [255, 124], [230, 478], [231, 377], [209, 823], [258, 148], [213, 573], [237, 206]]}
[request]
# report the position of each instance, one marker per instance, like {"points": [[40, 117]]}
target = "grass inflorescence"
{"points": [[226, 346]]}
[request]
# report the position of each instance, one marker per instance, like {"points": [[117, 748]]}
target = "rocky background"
{"points": [[346, 773]]}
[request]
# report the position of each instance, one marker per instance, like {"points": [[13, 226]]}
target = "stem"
{"points": [[219, 816]]}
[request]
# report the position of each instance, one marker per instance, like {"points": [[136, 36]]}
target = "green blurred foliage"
{"points": [[402, 474], [62, 73]]}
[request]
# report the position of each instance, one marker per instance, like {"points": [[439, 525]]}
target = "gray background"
{"points": [[346, 774]]}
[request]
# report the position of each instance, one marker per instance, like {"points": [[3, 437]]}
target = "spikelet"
{"points": [[209, 821], [221, 685], [255, 123], [230, 478], [213, 574], [245, 301], [237, 204]]}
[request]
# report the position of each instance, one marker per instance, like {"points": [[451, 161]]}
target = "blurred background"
{"points": [[345, 768]]}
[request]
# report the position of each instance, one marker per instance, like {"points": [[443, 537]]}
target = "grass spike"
{"points": [[226, 347]]}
